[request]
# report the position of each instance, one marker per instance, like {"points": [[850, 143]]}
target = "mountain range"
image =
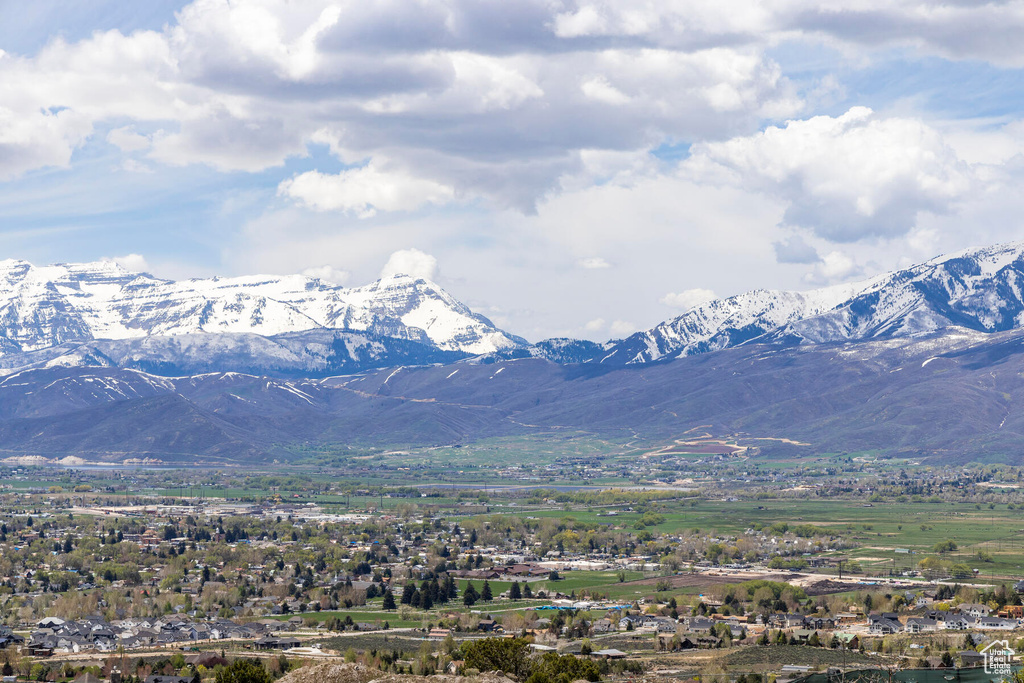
{"points": [[105, 364]]}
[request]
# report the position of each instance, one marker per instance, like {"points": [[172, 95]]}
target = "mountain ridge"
{"points": [[978, 288], [100, 313]]}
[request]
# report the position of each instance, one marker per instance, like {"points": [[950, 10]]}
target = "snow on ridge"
{"points": [[940, 293], [48, 305]]}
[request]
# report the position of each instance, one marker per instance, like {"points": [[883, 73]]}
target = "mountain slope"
{"points": [[100, 314], [977, 289], [951, 396]]}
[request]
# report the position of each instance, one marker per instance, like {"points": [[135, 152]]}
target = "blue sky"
{"points": [[571, 168]]}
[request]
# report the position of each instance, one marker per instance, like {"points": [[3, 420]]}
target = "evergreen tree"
{"points": [[485, 592], [470, 596], [389, 601], [514, 592], [407, 592], [527, 591]]}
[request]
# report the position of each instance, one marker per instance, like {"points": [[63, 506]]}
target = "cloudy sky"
{"points": [[566, 167]]}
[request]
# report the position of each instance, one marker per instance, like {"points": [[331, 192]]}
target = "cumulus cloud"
{"points": [[848, 177], [595, 325], [328, 274], [794, 249], [959, 30], [835, 266], [687, 299], [411, 262], [622, 328], [127, 140], [495, 105], [365, 190], [31, 140], [136, 263]]}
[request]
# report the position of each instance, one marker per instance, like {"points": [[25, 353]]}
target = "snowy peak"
{"points": [[43, 307], [980, 289]]}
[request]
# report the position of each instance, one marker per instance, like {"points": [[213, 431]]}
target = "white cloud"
{"points": [[127, 140], [328, 274], [482, 105], [687, 299], [31, 140], [135, 263], [411, 262], [594, 263], [598, 88], [835, 266], [365, 191], [795, 249], [621, 328], [845, 178], [595, 325]]}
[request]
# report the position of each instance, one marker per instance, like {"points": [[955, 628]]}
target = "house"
{"points": [[922, 625], [850, 641], [802, 635], [610, 653], [880, 625], [975, 609], [602, 626], [820, 623], [955, 622], [1011, 612], [995, 624], [970, 658], [665, 625], [172, 679], [699, 624], [792, 620]]}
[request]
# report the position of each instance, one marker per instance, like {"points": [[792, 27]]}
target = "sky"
{"points": [[581, 168]]}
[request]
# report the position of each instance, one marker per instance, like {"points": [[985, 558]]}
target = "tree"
{"points": [[527, 591], [497, 654], [244, 671], [470, 596], [485, 592], [514, 592], [389, 601]]}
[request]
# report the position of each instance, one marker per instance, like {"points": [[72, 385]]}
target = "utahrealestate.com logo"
{"points": [[998, 658]]}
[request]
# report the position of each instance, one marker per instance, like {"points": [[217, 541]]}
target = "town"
{"points": [[638, 580]]}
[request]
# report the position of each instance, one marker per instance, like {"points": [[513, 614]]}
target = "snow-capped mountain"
{"points": [[980, 289], [64, 306]]}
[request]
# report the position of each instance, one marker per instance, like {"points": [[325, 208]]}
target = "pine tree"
{"points": [[514, 592], [407, 592], [527, 591], [469, 596], [485, 593], [389, 601]]}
